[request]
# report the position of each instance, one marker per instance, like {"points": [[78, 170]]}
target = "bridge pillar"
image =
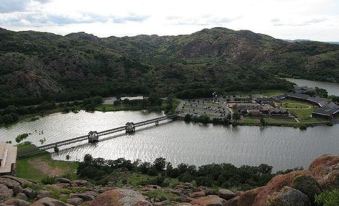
{"points": [[93, 137], [130, 128], [56, 148], [156, 123]]}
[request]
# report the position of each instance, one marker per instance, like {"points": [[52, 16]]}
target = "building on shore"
{"points": [[330, 110], [8, 154]]}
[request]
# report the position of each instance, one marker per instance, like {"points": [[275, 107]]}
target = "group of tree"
{"points": [[226, 120], [223, 175], [12, 114]]}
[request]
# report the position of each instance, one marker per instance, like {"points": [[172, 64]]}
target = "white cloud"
{"points": [[287, 19]]}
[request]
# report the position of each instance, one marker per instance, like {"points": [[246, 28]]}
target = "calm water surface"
{"points": [[180, 142], [332, 88]]}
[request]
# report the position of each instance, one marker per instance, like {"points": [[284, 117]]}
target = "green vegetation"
{"points": [[161, 195], [151, 104], [79, 66], [303, 112], [328, 198], [163, 173], [42, 167], [205, 119], [21, 137]]}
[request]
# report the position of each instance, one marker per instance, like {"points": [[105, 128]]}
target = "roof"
{"points": [[316, 100], [8, 154], [329, 109]]}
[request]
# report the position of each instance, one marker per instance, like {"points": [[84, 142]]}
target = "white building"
{"points": [[8, 155]]}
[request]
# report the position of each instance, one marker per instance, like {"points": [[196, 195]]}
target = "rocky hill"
{"points": [[297, 188], [37, 66]]}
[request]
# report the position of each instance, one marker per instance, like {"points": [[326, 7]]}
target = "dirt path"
{"points": [[45, 168]]}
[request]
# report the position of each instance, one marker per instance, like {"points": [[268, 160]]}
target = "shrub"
{"points": [[48, 180], [21, 137], [328, 198]]}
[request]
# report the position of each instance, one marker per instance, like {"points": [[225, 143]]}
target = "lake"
{"points": [[180, 142], [332, 88]]}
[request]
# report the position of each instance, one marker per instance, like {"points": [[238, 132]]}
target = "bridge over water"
{"points": [[93, 136]]}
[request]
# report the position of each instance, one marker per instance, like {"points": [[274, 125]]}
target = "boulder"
{"points": [[21, 181], [17, 202], [210, 200], [246, 198], [63, 180], [86, 196], [226, 194], [75, 201], [307, 185], [120, 197], [183, 204], [47, 201], [12, 184], [197, 194], [325, 169], [30, 192], [80, 183], [288, 197], [22, 196], [276, 184], [43, 193], [5, 192]]}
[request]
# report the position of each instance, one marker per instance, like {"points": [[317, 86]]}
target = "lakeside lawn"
{"points": [[40, 166], [303, 112]]}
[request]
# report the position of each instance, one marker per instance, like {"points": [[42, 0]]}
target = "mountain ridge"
{"points": [[79, 65]]}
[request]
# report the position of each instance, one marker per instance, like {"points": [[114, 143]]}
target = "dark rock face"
{"points": [[307, 185], [289, 197]]}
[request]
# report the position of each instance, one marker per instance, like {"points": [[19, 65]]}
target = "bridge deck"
{"points": [[102, 133]]}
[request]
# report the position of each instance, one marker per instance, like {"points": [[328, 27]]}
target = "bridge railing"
{"points": [[101, 133]]}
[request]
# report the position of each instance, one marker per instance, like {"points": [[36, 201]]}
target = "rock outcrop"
{"points": [[288, 196], [296, 188], [120, 197], [325, 170]]}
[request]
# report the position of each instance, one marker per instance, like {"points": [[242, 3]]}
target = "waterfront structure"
{"points": [[93, 137], [329, 110], [8, 154]]}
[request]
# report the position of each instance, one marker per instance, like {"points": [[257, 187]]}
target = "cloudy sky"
{"points": [[285, 19]]}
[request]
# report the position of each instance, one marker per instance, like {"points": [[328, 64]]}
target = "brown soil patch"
{"points": [[45, 168]]}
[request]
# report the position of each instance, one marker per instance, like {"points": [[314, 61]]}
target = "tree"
{"points": [[159, 163], [328, 198], [188, 118], [236, 116], [262, 121], [88, 159]]}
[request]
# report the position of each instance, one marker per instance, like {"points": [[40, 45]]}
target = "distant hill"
{"points": [[36, 66]]}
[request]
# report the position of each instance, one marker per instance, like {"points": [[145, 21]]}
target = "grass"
{"points": [[37, 167], [249, 121], [303, 111], [281, 121], [161, 195]]}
